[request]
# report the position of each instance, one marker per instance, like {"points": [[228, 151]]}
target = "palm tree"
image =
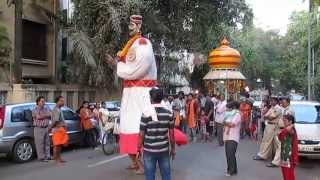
{"points": [[83, 46]]}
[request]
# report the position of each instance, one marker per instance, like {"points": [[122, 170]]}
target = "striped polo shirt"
{"points": [[156, 133]]}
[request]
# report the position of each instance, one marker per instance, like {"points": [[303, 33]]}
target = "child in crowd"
{"points": [[203, 125], [60, 138], [289, 148], [253, 131], [177, 119], [254, 123]]}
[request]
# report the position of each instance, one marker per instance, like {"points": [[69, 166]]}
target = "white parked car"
{"points": [[308, 127]]}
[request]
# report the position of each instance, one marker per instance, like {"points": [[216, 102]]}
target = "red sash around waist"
{"points": [[139, 83]]}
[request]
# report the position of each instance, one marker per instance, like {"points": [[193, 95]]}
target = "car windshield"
{"points": [[306, 114]]}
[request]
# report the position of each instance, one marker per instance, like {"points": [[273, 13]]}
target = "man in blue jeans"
{"points": [[157, 138]]}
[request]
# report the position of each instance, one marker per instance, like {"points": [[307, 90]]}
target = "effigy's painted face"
{"points": [[134, 28]]}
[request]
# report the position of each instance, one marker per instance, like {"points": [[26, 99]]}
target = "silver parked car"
{"points": [[16, 131]]}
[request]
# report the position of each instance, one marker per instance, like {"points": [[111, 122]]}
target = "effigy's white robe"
{"points": [[139, 65]]}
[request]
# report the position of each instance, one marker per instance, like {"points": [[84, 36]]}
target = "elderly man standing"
{"points": [[270, 139], [286, 108], [56, 112], [41, 116], [136, 65]]}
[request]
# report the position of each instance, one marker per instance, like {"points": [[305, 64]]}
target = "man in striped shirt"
{"points": [[157, 139], [41, 116]]}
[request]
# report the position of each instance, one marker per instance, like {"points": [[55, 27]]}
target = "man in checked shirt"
{"points": [[41, 117]]}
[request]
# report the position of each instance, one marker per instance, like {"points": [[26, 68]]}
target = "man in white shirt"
{"points": [[220, 110], [103, 118], [166, 103], [179, 105], [286, 108]]}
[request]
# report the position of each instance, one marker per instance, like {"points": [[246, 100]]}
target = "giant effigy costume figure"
{"points": [[137, 67]]}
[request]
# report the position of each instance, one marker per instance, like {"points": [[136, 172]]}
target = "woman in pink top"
{"points": [[232, 137]]}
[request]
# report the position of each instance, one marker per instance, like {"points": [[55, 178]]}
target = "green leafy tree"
{"points": [[172, 25], [294, 68], [4, 45], [261, 53], [4, 53]]}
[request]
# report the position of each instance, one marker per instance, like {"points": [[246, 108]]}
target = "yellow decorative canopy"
{"points": [[224, 76], [224, 57]]}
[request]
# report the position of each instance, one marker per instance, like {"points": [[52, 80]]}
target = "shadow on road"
{"points": [[5, 161], [306, 163]]}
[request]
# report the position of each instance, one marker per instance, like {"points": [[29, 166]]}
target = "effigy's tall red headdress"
{"points": [[137, 19]]}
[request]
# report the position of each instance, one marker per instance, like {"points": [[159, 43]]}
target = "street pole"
{"points": [[309, 52], [312, 74]]}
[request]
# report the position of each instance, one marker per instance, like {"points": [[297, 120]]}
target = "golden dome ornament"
{"points": [[224, 57]]}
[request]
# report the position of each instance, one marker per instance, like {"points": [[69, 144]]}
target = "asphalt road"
{"points": [[196, 161]]}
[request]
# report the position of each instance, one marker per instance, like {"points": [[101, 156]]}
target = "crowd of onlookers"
{"points": [[204, 117], [42, 116], [201, 117], [279, 135], [197, 113], [94, 122], [229, 121]]}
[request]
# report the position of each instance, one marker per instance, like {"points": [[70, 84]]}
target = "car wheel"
{"points": [[23, 151]]}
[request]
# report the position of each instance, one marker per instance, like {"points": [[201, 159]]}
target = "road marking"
{"points": [[107, 161]]}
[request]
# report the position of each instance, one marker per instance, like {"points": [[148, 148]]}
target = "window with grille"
{"points": [[70, 99], [56, 94], [81, 98], [64, 49], [34, 40], [42, 93], [92, 96]]}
